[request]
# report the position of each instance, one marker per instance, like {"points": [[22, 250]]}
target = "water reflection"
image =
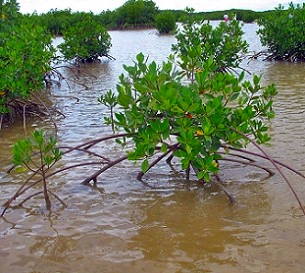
{"points": [[191, 227], [287, 128], [170, 228]]}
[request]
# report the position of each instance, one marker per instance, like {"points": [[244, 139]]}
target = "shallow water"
{"points": [[166, 224]]}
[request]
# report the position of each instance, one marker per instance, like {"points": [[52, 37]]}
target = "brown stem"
{"points": [[276, 166], [96, 174], [44, 182], [59, 199], [265, 157], [188, 170], [271, 173], [222, 187], [29, 197], [47, 109], [172, 148], [169, 159], [24, 119]]}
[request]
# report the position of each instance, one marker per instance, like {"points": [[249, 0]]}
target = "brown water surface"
{"points": [[167, 225]]}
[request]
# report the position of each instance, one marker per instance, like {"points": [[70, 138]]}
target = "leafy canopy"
{"points": [[283, 32], [164, 111], [135, 13], [165, 22], [86, 40], [25, 51], [197, 41]]}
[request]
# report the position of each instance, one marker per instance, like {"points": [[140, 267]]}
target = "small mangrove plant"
{"points": [[282, 32], [86, 41]]}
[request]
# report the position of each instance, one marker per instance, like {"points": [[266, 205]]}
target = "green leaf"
{"points": [[20, 169], [234, 96], [163, 148], [144, 165], [140, 57]]}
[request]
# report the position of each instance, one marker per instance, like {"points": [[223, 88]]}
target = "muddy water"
{"points": [[165, 225]]}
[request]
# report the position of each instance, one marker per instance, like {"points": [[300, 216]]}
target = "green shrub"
{"points": [[197, 41], [25, 56], [193, 109], [135, 13], [283, 32], [85, 41], [165, 22]]}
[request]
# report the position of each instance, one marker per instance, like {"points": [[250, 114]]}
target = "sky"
{"points": [[97, 6]]}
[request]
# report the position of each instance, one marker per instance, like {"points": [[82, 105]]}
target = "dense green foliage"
{"points": [[85, 41], [57, 21], [25, 55], [192, 119], [197, 42], [165, 22], [247, 16], [135, 13], [283, 32]]}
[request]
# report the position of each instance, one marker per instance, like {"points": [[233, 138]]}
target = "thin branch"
{"points": [[187, 173], [8, 203], [265, 157], [170, 158], [276, 166], [172, 148], [24, 119], [96, 174], [91, 143], [60, 200], [85, 151], [271, 173], [29, 197], [23, 188], [222, 187], [47, 109], [56, 172], [237, 155]]}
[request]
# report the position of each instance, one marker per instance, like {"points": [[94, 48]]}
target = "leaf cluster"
{"points": [[25, 54], [193, 109], [283, 32], [36, 152], [165, 22], [161, 110], [86, 40], [135, 13], [197, 41]]}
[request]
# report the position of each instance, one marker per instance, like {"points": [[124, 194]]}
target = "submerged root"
{"points": [[295, 56], [239, 156], [25, 108]]}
